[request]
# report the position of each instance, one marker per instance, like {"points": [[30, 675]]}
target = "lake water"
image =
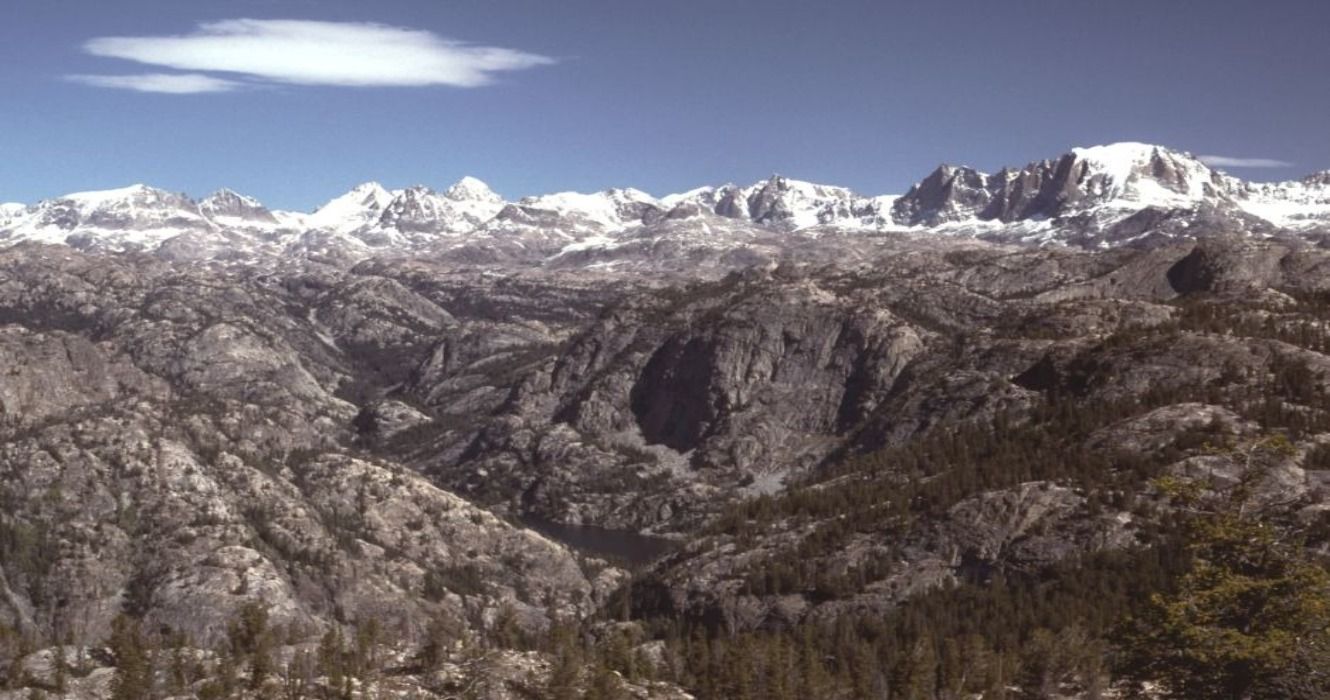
{"points": [[618, 545]]}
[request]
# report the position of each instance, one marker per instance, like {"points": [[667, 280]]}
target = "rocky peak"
{"points": [[769, 202], [779, 202], [1097, 196], [1143, 172], [631, 205], [130, 208], [414, 209], [799, 204], [369, 193], [1120, 176], [1321, 179], [613, 209], [230, 204], [464, 206], [11, 210], [135, 195], [729, 201], [950, 193]]}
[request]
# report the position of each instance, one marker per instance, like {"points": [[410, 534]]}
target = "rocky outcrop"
{"points": [[225, 205], [948, 194], [353, 441]]}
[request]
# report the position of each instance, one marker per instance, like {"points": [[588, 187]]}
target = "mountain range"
{"points": [[1098, 197], [771, 441]]}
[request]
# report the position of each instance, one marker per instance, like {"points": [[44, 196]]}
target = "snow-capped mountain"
{"points": [[360, 207], [144, 218], [790, 204], [459, 209], [10, 212], [225, 207], [132, 217], [1119, 177], [1107, 195], [575, 214], [1298, 205], [371, 217], [1094, 197]]}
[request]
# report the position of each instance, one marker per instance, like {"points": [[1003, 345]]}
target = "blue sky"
{"points": [[663, 96]]}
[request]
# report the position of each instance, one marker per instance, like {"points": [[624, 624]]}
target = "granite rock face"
{"points": [[175, 446], [353, 441]]}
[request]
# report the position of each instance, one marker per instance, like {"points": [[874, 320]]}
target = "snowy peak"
{"points": [[134, 217], [608, 210], [798, 204], [137, 207], [470, 189], [460, 209], [361, 206], [783, 203], [10, 211], [413, 209], [1296, 205], [1145, 174], [948, 194], [135, 196], [226, 205], [1120, 161], [375, 214], [1096, 181], [1094, 196], [369, 195], [1321, 179]]}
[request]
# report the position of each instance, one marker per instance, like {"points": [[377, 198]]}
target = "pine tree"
{"points": [[918, 672], [441, 637], [60, 674], [604, 684], [297, 677], [179, 671], [779, 664], [331, 661], [564, 676], [252, 642], [814, 680], [618, 653], [1250, 619], [15, 675], [506, 633], [366, 659], [739, 665], [698, 661], [133, 670]]}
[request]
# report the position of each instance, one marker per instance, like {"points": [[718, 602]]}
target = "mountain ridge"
{"points": [[831, 424], [1093, 197]]}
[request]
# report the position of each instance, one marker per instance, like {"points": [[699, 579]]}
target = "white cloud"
{"points": [[174, 84], [307, 52], [1228, 162]]}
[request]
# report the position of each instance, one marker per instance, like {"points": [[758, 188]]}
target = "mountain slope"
{"points": [[871, 425]]}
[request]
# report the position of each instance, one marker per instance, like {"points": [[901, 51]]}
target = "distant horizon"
{"points": [[440, 187], [292, 100]]}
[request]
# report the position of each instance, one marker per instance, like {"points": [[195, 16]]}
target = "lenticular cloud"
{"points": [[1231, 162], [169, 83], [305, 52]]}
